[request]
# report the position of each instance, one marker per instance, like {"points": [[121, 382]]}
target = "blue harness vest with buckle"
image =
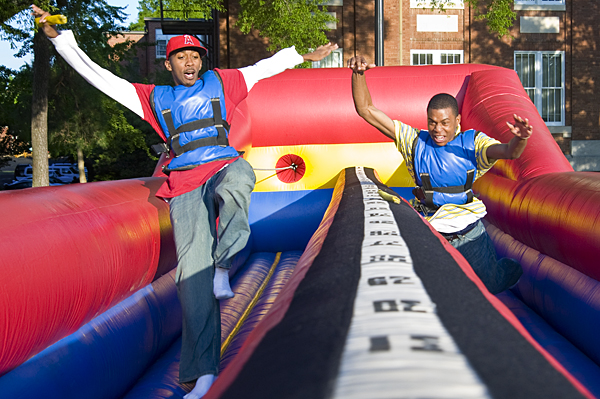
{"points": [[194, 121], [444, 174]]}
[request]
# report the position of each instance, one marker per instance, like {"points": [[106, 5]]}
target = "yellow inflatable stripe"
{"points": [[324, 162], [244, 316]]}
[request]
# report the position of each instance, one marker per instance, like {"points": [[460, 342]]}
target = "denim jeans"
{"points": [[478, 249], [199, 250]]}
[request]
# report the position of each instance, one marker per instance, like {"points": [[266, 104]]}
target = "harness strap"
{"points": [[469, 185], [216, 121], [428, 190]]}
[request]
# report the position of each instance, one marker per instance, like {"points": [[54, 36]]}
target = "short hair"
{"points": [[443, 101]]}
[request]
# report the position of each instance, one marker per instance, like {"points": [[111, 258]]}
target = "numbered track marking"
{"points": [[397, 347]]}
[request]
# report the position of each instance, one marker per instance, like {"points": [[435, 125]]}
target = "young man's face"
{"points": [[442, 125], [184, 67]]}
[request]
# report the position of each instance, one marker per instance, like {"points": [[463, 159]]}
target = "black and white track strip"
{"points": [[309, 352], [397, 347]]}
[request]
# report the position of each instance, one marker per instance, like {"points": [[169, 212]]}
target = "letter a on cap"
{"points": [[184, 41]]}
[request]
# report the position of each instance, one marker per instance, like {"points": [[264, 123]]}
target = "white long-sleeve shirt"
{"points": [[136, 97], [125, 92]]}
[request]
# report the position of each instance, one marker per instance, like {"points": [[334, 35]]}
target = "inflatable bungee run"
{"points": [[341, 292]]}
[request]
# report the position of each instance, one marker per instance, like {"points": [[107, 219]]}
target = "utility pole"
{"points": [[379, 32]]}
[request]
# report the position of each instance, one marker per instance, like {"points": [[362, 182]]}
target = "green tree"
{"points": [[15, 103], [16, 27], [498, 14], [119, 150], [286, 22], [176, 9], [79, 120], [283, 22]]}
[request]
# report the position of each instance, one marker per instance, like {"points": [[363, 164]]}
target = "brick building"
{"points": [[553, 48]]}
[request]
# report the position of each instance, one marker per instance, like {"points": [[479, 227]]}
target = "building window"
{"points": [[331, 3], [333, 24], [540, 5], [333, 60], [162, 40], [427, 4], [435, 57], [161, 49], [161, 43], [541, 2], [542, 74]]}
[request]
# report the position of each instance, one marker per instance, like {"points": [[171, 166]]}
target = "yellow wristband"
{"points": [[53, 20]]}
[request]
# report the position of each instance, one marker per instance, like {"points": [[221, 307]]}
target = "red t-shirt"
{"points": [[181, 182]]}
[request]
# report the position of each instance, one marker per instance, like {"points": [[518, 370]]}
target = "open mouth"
{"points": [[189, 75], [439, 139]]}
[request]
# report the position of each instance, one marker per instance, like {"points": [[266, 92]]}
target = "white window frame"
{"points": [[333, 60], [437, 55], [538, 87], [541, 2], [158, 36], [337, 3], [540, 5], [454, 4]]}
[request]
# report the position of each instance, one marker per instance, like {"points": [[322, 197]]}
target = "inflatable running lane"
{"points": [[377, 303]]}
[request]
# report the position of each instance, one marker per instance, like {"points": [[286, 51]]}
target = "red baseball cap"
{"points": [[185, 42]]}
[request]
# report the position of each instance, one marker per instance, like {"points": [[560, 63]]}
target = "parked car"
{"points": [[20, 171], [27, 174], [27, 183], [68, 169], [65, 172]]}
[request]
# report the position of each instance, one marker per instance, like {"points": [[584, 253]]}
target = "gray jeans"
{"points": [[200, 249], [478, 249]]}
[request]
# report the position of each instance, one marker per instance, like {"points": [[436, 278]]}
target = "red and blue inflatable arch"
{"points": [[332, 272]]}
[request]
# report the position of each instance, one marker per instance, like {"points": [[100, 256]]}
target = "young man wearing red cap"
{"points": [[206, 177]]}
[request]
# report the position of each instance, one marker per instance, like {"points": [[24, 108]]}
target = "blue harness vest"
{"points": [[194, 121], [444, 174]]}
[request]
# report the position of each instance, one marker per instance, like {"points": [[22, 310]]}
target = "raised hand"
{"points": [[521, 128], [359, 64], [42, 22], [320, 53], [39, 13]]}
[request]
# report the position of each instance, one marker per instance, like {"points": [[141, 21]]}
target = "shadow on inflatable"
{"points": [[339, 293]]}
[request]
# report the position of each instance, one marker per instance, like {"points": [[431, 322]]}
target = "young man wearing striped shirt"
{"points": [[444, 162]]}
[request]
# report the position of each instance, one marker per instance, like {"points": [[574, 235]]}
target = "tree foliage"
{"points": [[283, 22], [286, 22], [15, 102], [80, 118], [11, 141], [175, 9], [498, 14]]}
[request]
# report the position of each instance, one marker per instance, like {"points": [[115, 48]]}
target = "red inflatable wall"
{"points": [[71, 252]]}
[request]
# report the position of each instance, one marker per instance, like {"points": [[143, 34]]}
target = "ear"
{"points": [[458, 119], [168, 65]]}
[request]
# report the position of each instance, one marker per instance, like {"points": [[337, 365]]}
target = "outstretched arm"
{"points": [[282, 60], [515, 147], [118, 89], [362, 98]]}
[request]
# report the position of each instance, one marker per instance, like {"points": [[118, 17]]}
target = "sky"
{"points": [[8, 59]]}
